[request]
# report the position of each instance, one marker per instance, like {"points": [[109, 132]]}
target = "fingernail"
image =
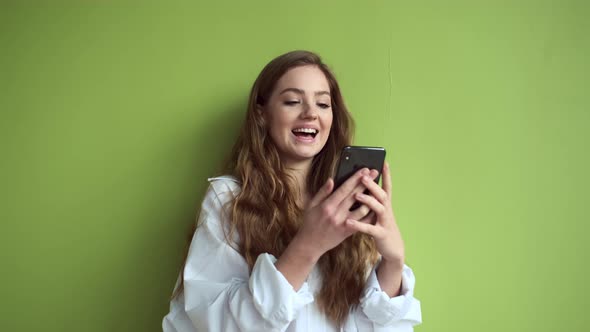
{"points": [[365, 171]]}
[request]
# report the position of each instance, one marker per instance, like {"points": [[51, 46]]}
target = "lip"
{"points": [[307, 140], [308, 126]]}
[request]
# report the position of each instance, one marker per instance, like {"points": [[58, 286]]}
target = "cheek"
{"points": [[279, 123], [328, 121]]}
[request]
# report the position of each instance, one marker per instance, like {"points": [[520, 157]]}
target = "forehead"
{"points": [[307, 78]]}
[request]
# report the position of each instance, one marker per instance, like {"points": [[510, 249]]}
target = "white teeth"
{"points": [[305, 130]]}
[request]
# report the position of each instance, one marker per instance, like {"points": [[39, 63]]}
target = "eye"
{"points": [[291, 102], [323, 105]]}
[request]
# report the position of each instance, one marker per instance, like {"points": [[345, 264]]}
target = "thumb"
{"points": [[324, 192]]}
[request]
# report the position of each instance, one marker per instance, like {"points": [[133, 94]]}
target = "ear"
{"points": [[261, 114]]}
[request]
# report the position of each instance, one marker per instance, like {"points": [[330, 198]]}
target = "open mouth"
{"points": [[308, 133]]}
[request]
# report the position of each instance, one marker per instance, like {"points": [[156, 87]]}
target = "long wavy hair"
{"points": [[266, 213]]}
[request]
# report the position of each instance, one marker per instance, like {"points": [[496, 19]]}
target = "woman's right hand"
{"points": [[324, 221], [324, 227]]}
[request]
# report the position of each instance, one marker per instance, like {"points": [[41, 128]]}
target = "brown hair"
{"points": [[266, 213]]}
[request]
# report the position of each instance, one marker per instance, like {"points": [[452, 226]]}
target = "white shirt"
{"points": [[221, 295]]}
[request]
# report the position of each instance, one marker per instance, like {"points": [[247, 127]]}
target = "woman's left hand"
{"points": [[384, 230]]}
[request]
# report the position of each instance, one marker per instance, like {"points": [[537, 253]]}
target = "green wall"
{"points": [[113, 113]]}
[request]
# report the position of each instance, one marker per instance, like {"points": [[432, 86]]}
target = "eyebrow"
{"points": [[299, 91]]}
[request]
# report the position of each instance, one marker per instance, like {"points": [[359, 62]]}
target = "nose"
{"points": [[309, 112]]}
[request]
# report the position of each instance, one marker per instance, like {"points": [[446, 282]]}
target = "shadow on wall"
{"points": [[211, 145], [154, 263]]}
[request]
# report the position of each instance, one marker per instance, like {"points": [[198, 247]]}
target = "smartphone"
{"points": [[354, 158]]}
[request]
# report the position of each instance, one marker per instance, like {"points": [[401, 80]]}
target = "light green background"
{"points": [[113, 113]]}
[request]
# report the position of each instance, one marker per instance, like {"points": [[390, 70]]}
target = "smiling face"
{"points": [[299, 114]]}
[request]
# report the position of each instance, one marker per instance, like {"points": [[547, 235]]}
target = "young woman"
{"points": [[277, 248]]}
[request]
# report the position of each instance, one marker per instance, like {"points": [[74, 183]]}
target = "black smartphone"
{"points": [[354, 158]]}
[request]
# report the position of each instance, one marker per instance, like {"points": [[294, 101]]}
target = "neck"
{"points": [[300, 171]]}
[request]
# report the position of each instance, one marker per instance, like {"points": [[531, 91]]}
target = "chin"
{"points": [[296, 155], [307, 152]]}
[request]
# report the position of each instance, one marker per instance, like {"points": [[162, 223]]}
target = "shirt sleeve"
{"points": [[379, 312], [219, 292]]}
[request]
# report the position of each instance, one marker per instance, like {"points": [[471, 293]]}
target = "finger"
{"points": [[357, 226], [347, 203], [370, 218], [347, 187], [374, 188], [374, 174], [372, 203], [359, 213], [324, 192], [387, 179]]}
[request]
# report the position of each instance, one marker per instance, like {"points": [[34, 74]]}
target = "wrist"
{"points": [[389, 275], [392, 263], [302, 252], [296, 262]]}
